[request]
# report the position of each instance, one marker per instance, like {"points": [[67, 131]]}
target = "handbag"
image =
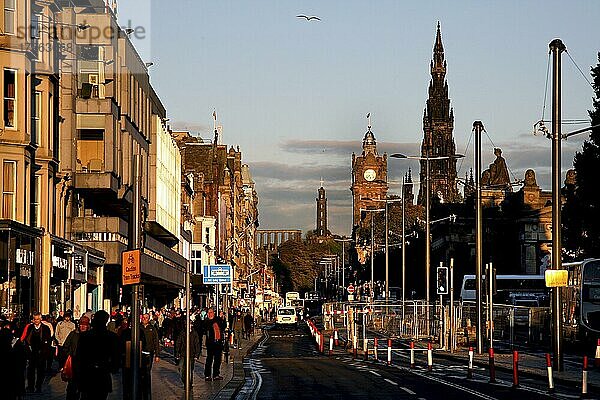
{"points": [[67, 372]]}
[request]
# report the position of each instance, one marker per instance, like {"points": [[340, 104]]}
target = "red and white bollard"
{"points": [[470, 367], [550, 377], [412, 354], [330, 345], [597, 359], [492, 367], [389, 352], [354, 347], [336, 338], [366, 348], [515, 369], [584, 391], [321, 342], [375, 349], [429, 357]]}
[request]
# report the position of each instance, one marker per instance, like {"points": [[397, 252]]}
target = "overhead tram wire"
{"points": [[462, 160], [580, 71]]}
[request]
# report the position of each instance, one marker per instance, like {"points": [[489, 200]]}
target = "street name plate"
{"points": [[216, 274]]}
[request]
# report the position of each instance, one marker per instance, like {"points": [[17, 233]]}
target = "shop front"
{"points": [[19, 261]]}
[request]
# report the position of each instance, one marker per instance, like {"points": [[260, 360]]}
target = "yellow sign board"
{"points": [[556, 277], [130, 265]]}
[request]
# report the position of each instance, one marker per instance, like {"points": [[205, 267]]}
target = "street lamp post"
{"points": [[343, 240], [388, 200], [372, 289], [427, 159]]}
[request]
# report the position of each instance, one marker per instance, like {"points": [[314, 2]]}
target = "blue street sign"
{"points": [[216, 274]]}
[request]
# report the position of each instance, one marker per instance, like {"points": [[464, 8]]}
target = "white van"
{"points": [[286, 316]]}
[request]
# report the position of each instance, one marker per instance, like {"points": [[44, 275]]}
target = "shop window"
{"points": [[9, 177], [10, 93]]}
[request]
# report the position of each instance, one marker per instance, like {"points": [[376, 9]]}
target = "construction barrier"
{"points": [[597, 358], [515, 369], [330, 345], [429, 357], [470, 366], [492, 366], [550, 377], [584, 378]]}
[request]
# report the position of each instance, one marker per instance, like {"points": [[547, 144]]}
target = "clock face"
{"points": [[370, 175]]}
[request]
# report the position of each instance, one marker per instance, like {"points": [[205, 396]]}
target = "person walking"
{"points": [[63, 329], [213, 329], [12, 366], [238, 329], [70, 349], [195, 351], [96, 357], [37, 339], [248, 324], [150, 351]]}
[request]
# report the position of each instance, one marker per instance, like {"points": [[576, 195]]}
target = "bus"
{"points": [[291, 296], [508, 287], [580, 301]]}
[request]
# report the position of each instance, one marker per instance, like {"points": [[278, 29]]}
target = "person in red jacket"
{"points": [[37, 339]]}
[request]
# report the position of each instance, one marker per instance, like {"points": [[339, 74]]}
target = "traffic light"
{"points": [[442, 280]]}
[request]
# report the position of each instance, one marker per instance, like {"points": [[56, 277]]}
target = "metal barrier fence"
{"points": [[417, 320]]}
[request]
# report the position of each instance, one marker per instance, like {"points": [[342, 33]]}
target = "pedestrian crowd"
{"points": [[87, 351]]}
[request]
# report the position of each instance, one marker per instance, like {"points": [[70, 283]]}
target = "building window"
{"points": [[9, 16], [207, 235], [10, 97], [90, 149], [36, 117], [196, 262], [9, 176], [37, 217]]}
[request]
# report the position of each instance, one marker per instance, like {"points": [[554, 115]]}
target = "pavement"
{"points": [[166, 380]]}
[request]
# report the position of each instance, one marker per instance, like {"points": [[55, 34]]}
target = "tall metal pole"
{"points": [[427, 235], [556, 48], [478, 128], [403, 249], [451, 341], [387, 257], [372, 260], [343, 265], [135, 243], [188, 327]]}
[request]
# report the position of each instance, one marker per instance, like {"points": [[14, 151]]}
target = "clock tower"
{"points": [[369, 177]]}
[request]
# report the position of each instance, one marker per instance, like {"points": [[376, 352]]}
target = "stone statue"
{"points": [[530, 178], [499, 171], [571, 178]]}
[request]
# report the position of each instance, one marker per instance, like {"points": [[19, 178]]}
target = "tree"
{"points": [[582, 209]]}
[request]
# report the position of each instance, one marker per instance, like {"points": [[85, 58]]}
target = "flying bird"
{"points": [[308, 18]]}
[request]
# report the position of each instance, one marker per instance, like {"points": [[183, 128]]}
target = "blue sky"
{"points": [[294, 94]]}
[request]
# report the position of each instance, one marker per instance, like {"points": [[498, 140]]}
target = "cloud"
{"points": [[345, 148], [192, 127], [307, 173]]}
